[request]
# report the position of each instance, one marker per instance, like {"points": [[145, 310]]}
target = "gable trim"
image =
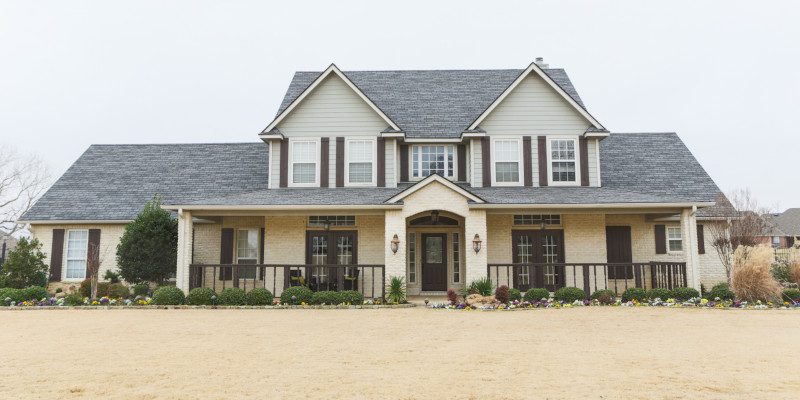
{"points": [[434, 178], [535, 68], [332, 69]]}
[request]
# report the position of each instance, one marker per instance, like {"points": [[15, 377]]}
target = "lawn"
{"points": [[597, 352]]}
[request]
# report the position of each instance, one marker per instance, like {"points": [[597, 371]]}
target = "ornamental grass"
{"points": [[752, 275]]}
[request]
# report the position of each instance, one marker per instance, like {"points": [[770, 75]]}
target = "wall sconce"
{"points": [[327, 224], [395, 244], [435, 217], [476, 243]]}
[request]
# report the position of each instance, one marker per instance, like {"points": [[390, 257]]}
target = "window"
{"points": [[304, 162], [563, 164], [776, 242], [426, 160], [332, 220], [674, 239], [537, 219], [456, 259], [360, 155], [247, 252], [77, 249], [412, 257], [507, 161]]}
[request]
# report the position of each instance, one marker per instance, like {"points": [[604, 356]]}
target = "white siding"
{"points": [[477, 163], [389, 153], [594, 167], [332, 109], [534, 108], [274, 160]]}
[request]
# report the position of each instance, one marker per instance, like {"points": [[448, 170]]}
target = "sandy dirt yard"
{"points": [[607, 353]]}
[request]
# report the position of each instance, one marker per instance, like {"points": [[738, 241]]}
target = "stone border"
{"points": [[185, 307]]}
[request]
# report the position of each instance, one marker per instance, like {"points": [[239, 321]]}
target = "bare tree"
{"points": [[95, 259], [22, 180], [745, 224]]}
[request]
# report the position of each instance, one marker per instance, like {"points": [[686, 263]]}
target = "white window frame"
{"points": [[411, 165], [520, 162], [258, 249], [669, 239], [347, 161], [292, 142], [550, 160], [67, 259]]}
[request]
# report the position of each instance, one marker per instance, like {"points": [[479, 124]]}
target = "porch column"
{"points": [[689, 227], [395, 263], [475, 223], [185, 228]]}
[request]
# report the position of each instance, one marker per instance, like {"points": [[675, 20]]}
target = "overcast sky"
{"points": [[724, 75]]}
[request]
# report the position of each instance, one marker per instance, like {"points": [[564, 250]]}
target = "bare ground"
{"points": [[400, 354]]}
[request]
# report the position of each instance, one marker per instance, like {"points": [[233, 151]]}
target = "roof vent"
{"points": [[540, 62]]}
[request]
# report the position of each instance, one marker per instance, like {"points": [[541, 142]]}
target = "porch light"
{"points": [[395, 244], [476, 243], [327, 224], [435, 217]]}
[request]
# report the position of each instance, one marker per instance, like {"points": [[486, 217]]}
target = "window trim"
{"points": [[347, 161], [576, 141], [411, 147], [290, 173], [666, 234], [520, 160], [67, 259], [258, 250]]}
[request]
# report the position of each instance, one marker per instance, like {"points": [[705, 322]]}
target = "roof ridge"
{"points": [[172, 144], [432, 70]]}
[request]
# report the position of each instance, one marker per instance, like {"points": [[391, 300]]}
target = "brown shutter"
{"points": [[57, 255], [93, 251], [462, 162], [661, 239], [486, 160], [527, 160], [323, 161], [261, 248], [403, 163], [381, 162], [701, 241], [226, 253], [339, 162], [284, 163], [542, 150], [584, 154]]}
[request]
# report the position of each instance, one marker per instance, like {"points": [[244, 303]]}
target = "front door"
{"points": [[618, 250], [434, 261], [538, 247], [324, 251]]}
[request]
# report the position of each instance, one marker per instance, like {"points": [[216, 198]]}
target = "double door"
{"points": [[326, 254], [540, 247]]}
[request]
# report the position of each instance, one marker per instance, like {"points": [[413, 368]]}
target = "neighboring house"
{"points": [[441, 177], [784, 229]]}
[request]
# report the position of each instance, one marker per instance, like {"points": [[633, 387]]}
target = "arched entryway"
{"points": [[435, 259]]}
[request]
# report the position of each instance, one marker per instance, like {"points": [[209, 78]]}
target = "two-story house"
{"points": [[441, 177]]}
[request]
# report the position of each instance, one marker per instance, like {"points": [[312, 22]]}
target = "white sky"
{"points": [[724, 75]]}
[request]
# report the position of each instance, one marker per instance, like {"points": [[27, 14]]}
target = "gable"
{"points": [[534, 107], [332, 108]]}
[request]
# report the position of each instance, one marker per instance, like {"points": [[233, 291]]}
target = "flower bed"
{"points": [[669, 303], [142, 302]]}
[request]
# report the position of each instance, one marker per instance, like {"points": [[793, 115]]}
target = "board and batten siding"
{"points": [[476, 167], [274, 160], [390, 151], [593, 159]]}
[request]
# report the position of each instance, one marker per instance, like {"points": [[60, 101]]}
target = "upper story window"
{"points": [[674, 239], [77, 249], [507, 156], [563, 161], [304, 162], [360, 162], [432, 159]]}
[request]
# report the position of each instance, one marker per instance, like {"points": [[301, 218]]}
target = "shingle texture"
{"points": [[112, 182], [434, 103], [787, 223]]}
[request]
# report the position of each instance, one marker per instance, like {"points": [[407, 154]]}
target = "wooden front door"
{"points": [[434, 261], [326, 248], [538, 247], [618, 250]]}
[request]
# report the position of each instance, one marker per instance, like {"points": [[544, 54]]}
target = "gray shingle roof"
{"points": [[431, 103], [112, 182], [787, 223]]}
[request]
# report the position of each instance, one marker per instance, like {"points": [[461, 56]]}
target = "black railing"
{"points": [[367, 279], [589, 276]]}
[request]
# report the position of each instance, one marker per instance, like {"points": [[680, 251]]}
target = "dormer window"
{"points": [[304, 160], [431, 159], [563, 161], [506, 164], [360, 164]]}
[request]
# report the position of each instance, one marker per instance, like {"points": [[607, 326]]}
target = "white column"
{"points": [[475, 223], [689, 232], [185, 228], [395, 263]]}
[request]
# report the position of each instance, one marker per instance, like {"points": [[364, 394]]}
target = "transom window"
{"points": [[427, 160], [674, 239], [563, 164], [331, 220], [77, 249], [507, 160], [304, 162], [360, 155], [537, 219]]}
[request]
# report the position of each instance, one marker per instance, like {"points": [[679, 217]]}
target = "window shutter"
{"points": [[226, 253], [542, 150], [93, 250], [284, 163], [661, 239], [527, 160], [584, 154], [486, 160], [323, 161], [57, 255], [701, 241], [339, 162], [381, 162], [461, 153], [261, 248], [403, 163]]}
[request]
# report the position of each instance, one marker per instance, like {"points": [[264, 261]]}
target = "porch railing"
{"points": [[589, 276], [367, 279]]}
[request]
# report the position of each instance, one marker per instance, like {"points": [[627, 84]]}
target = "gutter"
{"points": [[284, 207], [591, 206]]}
